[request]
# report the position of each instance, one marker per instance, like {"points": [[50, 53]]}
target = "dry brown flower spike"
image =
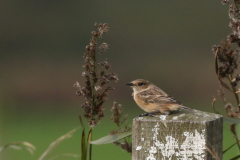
{"points": [[95, 92]]}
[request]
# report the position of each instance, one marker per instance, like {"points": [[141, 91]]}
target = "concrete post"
{"points": [[184, 135]]}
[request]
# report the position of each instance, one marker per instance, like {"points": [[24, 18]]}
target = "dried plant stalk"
{"points": [[119, 119], [226, 63], [94, 91]]}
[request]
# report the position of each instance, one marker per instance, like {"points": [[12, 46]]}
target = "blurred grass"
{"points": [[41, 128], [228, 140]]}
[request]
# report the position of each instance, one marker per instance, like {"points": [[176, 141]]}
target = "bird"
{"points": [[152, 99]]}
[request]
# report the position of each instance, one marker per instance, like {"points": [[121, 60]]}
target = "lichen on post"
{"points": [[182, 135]]}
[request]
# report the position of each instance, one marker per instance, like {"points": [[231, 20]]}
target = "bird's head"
{"points": [[139, 84]]}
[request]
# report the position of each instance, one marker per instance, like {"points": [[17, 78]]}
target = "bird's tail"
{"points": [[186, 108]]}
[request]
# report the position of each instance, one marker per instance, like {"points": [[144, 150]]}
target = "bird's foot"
{"points": [[151, 114], [145, 114]]}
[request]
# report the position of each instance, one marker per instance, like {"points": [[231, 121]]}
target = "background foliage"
{"points": [[41, 49]]}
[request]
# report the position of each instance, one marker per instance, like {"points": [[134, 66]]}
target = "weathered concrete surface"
{"points": [[183, 135]]}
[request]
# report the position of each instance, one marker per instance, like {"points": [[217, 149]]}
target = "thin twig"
{"points": [[233, 129], [230, 147], [233, 126], [213, 153], [213, 105], [216, 70], [234, 91]]}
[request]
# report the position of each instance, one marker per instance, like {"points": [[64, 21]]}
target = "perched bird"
{"points": [[152, 99]]}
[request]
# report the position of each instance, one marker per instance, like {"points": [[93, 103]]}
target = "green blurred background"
{"points": [[42, 44]]}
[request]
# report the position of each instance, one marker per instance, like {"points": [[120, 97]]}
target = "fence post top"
{"points": [[183, 115]]}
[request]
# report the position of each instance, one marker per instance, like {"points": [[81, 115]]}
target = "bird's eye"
{"points": [[140, 84]]}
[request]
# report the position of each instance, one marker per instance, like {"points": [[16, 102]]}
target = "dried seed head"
{"points": [[97, 88], [93, 109], [225, 2], [88, 48], [103, 47], [105, 65]]}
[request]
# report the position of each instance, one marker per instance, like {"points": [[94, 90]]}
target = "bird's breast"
{"points": [[142, 104]]}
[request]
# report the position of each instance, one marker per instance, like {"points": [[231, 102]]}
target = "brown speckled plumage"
{"points": [[151, 98]]}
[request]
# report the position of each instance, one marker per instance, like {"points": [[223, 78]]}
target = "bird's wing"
{"points": [[157, 90], [148, 95], [153, 96], [168, 99]]}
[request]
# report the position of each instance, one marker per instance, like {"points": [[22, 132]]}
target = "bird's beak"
{"points": [[129, 84]]}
